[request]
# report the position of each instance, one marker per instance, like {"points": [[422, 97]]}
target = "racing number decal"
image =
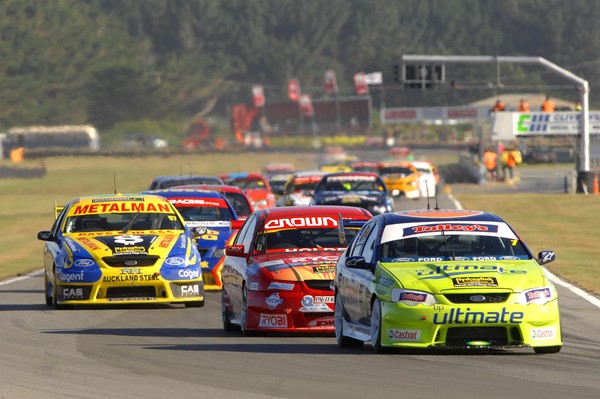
{"points": [[211, 235], [514, 242]]}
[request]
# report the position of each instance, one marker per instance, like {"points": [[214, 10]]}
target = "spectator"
{"points": [[513, 157], [524, 106], [499, 106], [490, 159], [548, 105]]}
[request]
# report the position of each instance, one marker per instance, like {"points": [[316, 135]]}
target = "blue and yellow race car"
{"points": [[120, 249], [213, 220], [444, 279]]}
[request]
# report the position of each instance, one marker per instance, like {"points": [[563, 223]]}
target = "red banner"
{"points": [[330, 81], [258, 96], [360, 82], [294, 89]]}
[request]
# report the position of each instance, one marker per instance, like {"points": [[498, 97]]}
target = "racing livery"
{"points": [[117, 249], [234, 195], [362, 189], [400, 177], [256, 187], [278, 274], [444, 278], [214, 221], [299, 188]]}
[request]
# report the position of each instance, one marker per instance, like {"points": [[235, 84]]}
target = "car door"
{"points": [[234, 267], [352, 281], [52, 249]]}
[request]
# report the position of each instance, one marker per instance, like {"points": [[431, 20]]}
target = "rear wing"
{"points": [[57, 210]]}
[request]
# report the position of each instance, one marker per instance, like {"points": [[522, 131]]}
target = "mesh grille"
{"points": [[130, 292], [130, 260], [323, 285], [477, 298]]}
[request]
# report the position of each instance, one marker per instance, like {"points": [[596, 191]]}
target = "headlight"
{"points": [[538, 296], [412, 298], [379, 209]]}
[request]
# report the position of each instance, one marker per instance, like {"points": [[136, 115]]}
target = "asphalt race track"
{"points": [[177, 352]]}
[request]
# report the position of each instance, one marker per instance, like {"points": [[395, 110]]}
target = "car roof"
{"points": [[439, 215], [212, 187], [243, 176], [349, 212], [182, 192], [97, 200], [366, 174]]}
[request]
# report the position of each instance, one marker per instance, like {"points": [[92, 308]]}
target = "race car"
{"points": [[444, 278], [300, 188], [364, 166], [234, 195], [120, 249], [427, 178], [162, 182], [361, 189], [278, 274], [401, 178], [256, 187], [214, 221]]}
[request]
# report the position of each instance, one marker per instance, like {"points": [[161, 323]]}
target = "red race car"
{"points": [[255, 185], [278, 274]]}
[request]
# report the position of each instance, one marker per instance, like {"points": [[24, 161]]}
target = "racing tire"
{"points": [[376, 326], [338, 317], [547, 349], [244, 314], [227, 324], [48, 292]]}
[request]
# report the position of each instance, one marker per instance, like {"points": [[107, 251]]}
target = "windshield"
{"points": [[305, 238], [117, 221], [248, 184], [239, 203], [395, 170], [205, 214], [452, 247], [352, 185]]}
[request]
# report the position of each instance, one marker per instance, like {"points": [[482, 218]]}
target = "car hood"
{"points": [[157, 243], [438, 277], [301, 266], [342, 197]]}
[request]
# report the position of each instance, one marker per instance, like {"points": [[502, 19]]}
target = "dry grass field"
{"points": [[564, 223]]}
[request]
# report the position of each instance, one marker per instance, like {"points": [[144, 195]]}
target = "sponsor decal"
{"points": [[195, 202], [166, 241], [131, 270], [309, 305], [324, 269], [302, 221], [114, 199], [323, 299], [475, 281], [540, 334], [275, 285], [120, 207], [538, 294], [321, 322], [84, 262], [126, 278], [129, 250], [175, 261], [128, 240], [72, 293], [253, 286], [451, 213], [446, 270], [273, 300], [404, 335], [272, 320], [409, 296], [451, 227], [466, 316], [89, 243], [70, 277], [351, 178], [189, 274], [190, 290]]}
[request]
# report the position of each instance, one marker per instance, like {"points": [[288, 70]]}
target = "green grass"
{"points": [[564, 223]]}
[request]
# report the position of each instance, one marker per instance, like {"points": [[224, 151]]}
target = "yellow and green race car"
{"points": [[444, 278], [120, 249]]}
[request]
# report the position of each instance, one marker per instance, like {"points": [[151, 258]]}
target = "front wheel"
{"points": [[376, 326], [338, 318]]}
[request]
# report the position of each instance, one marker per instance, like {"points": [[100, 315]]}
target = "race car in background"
{"points": [[444, 278], [162, 182], [427, 179], [234, 195], [300, 187], [120, 249], [214, 222], [278, 274], [400, 178], [365, 190], [278, 174], [255, 185]]}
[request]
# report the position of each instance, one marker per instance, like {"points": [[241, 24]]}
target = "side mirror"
{"points": [[357, 262], [236, 250], [199, 231], [45, 236], [546, 257], [237, 224]]}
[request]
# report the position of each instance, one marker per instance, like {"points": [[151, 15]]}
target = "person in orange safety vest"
{"points": [[524, 106], [548, 105]]}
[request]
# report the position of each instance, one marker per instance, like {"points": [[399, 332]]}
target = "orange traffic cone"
{"points": [[596, 182]]}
